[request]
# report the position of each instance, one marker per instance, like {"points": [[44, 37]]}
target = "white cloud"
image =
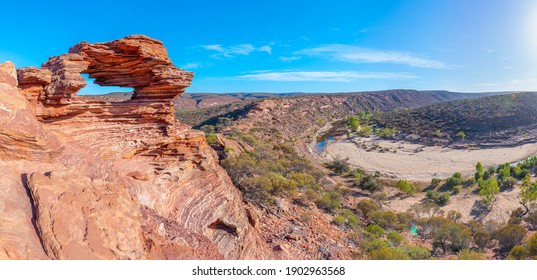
{"points": [[266, 49], [217, 48], [488, 84], [354, 54], [322, 76], [195, 65], [288, 58], [235, 50]]}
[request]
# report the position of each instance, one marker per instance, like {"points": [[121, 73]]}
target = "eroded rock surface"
{"points": [[96, 179]]}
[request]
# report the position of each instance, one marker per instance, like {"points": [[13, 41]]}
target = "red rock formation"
{"points": [[113, 180], [135, 61], [32, 82]]}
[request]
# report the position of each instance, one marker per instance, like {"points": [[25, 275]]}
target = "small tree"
{"points": [[461, 135], [367, 206], [370, 184], [528, 193], [339, 165], [487, 189], [406, 187], [353, 122], [479, 171], [435, 182], [532, 245], [510, 236]]}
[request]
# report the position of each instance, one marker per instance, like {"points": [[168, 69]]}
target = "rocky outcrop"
{"points": [[21, 135], [66, 80], [135, 61], [82, 218], [32, 82], [98, 179]]}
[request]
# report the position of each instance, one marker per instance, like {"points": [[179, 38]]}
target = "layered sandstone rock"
{"points": [[135, 61], [83, 218], [21, 135], [96, 179], [32, 82]]}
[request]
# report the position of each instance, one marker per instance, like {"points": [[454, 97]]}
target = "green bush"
{"points": [[375, 230], [388, 133], [367, 206], [466, 254], [440, 198], [330, 201], [370, 243], [406, 187], [339, 220], [370, 184], [532, 245], [509, 182], [510, 236], [211, 139], [435, 182], [418, 252], [387, 254], [453, 181], [518, 252], [396, 238], [385, 219], [339, 166]]}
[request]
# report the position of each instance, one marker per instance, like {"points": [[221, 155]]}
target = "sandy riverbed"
{"points": [[418, 162]]}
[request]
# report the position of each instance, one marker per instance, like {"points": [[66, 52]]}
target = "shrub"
{"points": [[396, 238], [435, 182], [532, 219], [370, 184], [388, 133], [510, 236], [367, 206], [440, 198], [518, 252], [375, 230], [470, 182], [353, 122], [481, 238], [330, 201], [456, 189], [488, 189], [418, 252], [406, 187], [385, 219], [509, 182], [211, 139], [405, 219], [454, 215], [453, 181], [466, 254], [387, 254], [479, 171], [339, 166], [532, 245], [371, 243], [339, 220]]}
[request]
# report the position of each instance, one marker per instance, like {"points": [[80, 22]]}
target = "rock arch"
{"points": [[135, 61]]}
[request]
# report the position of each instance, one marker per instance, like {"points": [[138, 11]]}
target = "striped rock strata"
{"points": [[83, 178]]}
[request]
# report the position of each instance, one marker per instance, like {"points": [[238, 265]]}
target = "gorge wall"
{"points": [[84, 178]]}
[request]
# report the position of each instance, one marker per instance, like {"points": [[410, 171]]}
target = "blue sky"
{"points": [[306, 46]]}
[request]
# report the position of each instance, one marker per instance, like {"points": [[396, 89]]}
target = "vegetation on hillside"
{"points": [[467, 119]]}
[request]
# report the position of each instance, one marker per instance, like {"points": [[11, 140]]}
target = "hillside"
{"points": [[492, 119], [301, 116]]}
